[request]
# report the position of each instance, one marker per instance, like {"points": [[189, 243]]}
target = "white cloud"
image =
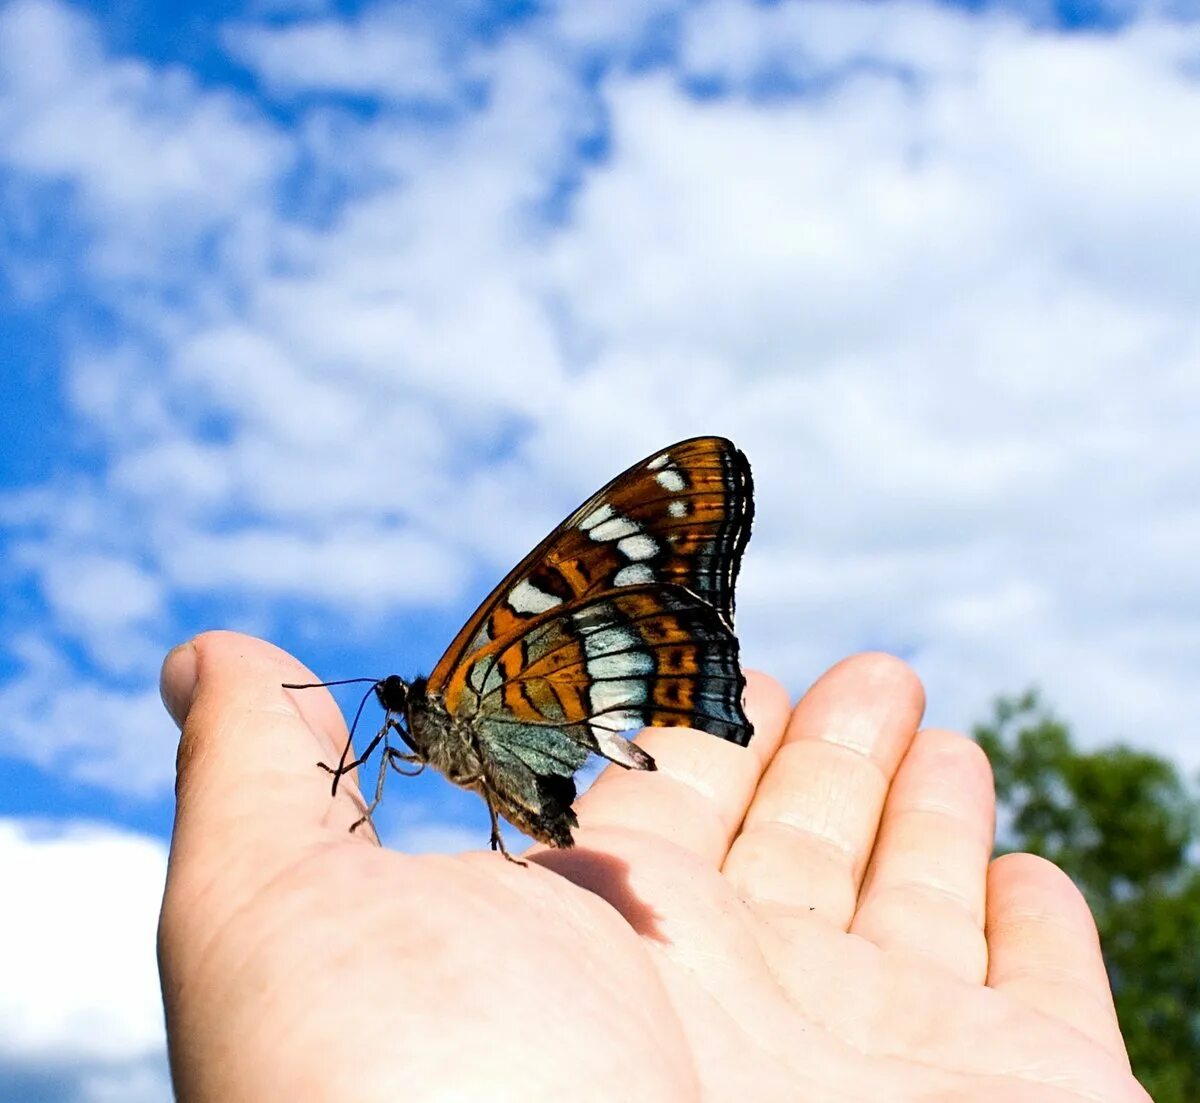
{"points": [[147, 1082], [822, 40], [155, 162], [78, 948], [356, 565], [115, 608], [83, 729], [617, 29], [385, 52], [101, 591]]}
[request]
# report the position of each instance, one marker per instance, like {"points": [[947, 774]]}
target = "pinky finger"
{"points": [[1043, 948]]}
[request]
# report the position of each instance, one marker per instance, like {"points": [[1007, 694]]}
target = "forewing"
{"points": [[678, 518]]}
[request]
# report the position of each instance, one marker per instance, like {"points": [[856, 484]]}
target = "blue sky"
{"points": [[314, 318]]}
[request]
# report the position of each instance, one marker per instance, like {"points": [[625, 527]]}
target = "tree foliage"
{"points": [[1125, 824]]}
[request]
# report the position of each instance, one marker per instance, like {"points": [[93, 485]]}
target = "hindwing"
{"points": [[644, 656], [571, 680]]}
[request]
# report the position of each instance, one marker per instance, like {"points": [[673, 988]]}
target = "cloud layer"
{"points": [[80, 1013], [935, 271]]}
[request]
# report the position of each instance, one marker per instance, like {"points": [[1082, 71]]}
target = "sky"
{"points": [[314, 318]]}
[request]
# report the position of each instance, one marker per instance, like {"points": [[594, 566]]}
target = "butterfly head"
{"points": [[393, 693]]}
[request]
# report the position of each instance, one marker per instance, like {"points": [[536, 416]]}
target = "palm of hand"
{"points": [[711, 937]]}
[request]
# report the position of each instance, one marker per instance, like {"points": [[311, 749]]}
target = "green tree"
{"points": [[1125, 824]]}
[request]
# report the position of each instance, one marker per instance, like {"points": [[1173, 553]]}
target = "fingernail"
{"points": [[177, 682]]}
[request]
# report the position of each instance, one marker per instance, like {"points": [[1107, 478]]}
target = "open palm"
{"points": [[812, 918]]}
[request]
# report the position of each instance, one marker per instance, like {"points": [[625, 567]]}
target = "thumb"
{"points": [[249, 795]]}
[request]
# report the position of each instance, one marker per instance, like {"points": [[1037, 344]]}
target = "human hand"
{"points": [[812, 918]]}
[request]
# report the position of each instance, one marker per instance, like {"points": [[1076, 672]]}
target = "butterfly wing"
{"points": [[621, 618], [566, 685], [645, 656], [680, 517]]}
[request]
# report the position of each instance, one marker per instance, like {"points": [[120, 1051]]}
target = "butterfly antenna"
{"points": [[341, 766], [339, 682]]}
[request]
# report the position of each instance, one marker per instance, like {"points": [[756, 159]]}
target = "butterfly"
{"points": [[621, 618]]}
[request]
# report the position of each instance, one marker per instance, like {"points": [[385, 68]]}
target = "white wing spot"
{"points": [[625, 664], [659, 461], [670, 479], [612, 695], [606, 640], [595, 517], [677, 508], [637, 547], [615, 529], [525, 597], [636, 574]]}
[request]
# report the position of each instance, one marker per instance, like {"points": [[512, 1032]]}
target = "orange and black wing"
{"points": [[622, 617], [643, 656], [571, 680]]}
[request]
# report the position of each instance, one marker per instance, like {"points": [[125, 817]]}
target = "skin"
{"points": [[814, 918]]}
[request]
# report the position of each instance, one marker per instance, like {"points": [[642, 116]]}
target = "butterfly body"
{"points": [[622, 618], [453, 745]]}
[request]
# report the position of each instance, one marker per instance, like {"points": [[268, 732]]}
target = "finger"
{"points": [[698, 794], [925, 885], [810, 828], [1044, 950], [248, 789]]}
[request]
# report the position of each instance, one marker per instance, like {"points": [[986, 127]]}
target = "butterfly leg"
{"points": [[497, 840], [379, 780], [343, 767], [390, 754], [394, 756], [390, 757], [480, 784]]}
